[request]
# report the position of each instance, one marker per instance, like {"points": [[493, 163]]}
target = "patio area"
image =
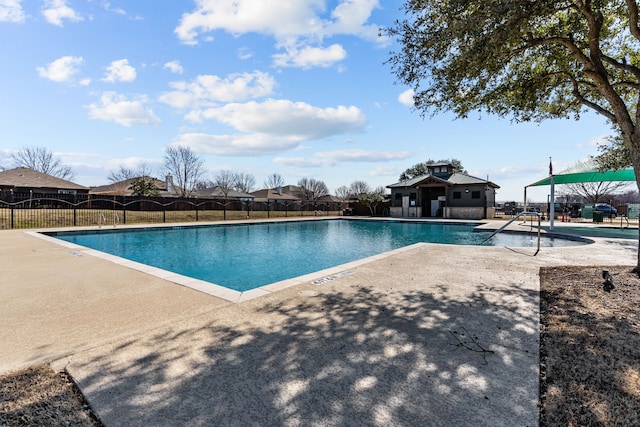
{"points": [[439, 333]]}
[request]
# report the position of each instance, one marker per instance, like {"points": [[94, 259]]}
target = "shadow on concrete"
{"points": [[358, 357]]}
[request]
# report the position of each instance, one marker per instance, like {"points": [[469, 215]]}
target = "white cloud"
{"points": [[284, 117], [116, 108], [207, 90], [11, 11], [358, 155], [120, 71], [131, 162], [331, 158], [299, 162], [245, 53], [386, 170], [350, 17], [292, 23], [236, 145], [174, 67], [56, 11], [308, 57], [280, 18], [274, 126], [597, 141], [62, 69], [117, 10], [406, 98]]}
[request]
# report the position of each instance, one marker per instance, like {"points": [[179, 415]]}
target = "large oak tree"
{"points": [[529, 60]]}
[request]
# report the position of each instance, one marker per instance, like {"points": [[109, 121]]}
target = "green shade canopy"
{"points": [[587, 172]]}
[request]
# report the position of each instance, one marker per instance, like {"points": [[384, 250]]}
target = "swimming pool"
{"points": [[250, 255]]}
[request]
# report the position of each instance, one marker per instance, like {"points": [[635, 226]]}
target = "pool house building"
{"points": [[443, 193]]}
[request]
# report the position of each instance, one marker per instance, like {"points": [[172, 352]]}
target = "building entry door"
{"points": [[435, 205], [405, 206]]}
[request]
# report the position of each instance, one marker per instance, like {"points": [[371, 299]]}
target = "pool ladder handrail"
{"points": [[537, 214]]}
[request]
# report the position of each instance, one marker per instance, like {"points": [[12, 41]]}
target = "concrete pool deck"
{"points": [[433, 335]]}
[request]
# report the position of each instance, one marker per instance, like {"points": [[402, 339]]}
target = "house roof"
{"points": [[464, 179], [29, 178], [457, 178], [330, 198], [123, 187], [218, 193], [273, 194]]}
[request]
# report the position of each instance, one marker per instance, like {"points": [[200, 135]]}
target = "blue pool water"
{"points": [[247, 256]]}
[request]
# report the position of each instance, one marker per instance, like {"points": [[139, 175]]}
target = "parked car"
{"points": [[608, 210]]}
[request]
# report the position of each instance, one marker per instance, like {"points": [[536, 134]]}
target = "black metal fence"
{"points": [[68, 210]]}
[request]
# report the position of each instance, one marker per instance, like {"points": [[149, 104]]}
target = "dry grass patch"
{"points": [[590, 347], [38, 396]]}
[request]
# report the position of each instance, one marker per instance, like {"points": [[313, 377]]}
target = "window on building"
{"points": [[457, 194], [475, 194]]}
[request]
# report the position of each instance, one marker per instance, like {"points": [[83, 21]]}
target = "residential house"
{"points": [[123, 188], [274, 195], [443, 193], [28, 181], [217, 193]]}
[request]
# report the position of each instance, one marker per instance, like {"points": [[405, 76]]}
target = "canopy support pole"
{"points": [[552, 212]]}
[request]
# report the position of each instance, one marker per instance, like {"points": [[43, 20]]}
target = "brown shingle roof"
{"points": [[28, 178], [123, 187], [218, 193], [272, 194]]}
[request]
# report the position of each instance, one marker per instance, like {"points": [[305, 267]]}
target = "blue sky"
{"points": [[295, 87]]}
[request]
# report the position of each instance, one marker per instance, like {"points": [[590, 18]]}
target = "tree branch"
{"points": [[633, 18]]}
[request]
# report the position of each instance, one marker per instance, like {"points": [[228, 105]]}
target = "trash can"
{"points": [[598, 216]]}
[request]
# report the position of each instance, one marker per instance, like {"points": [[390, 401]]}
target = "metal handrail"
{"points": [[537, 214]]}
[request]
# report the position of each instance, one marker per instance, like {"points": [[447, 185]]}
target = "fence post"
{"points": [[196, 213], [124, 215], [164, 214], [12, 216], [75, 215]]}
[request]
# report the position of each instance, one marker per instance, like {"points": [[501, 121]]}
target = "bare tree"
{"points": [[122, 178], [593, 192], [313, 189], [274, 180], [42, 160], [225, 180], [343, 193], [124, 173], [358, 188], [204, 184], [185, 167], [245, 182]]}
